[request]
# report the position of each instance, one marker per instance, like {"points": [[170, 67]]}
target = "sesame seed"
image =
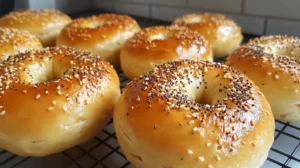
{"points": [[24, 91], [218, 109], [194, 114], [210, 166], [188, 116], [276, 77], [195, 129], [234, 137], [46, 92], [37, 96], [50, 108], [233, 128], [218, 157], [2, 112], [59, 92], [65, 109], [1, 107], [191, 122], [54, 102], [78, 99], [190, 152], [138, 99], [201, 159]]}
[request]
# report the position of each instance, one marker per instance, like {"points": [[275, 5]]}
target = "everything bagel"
{"points": [[157, 45], [223, 33], [102, 35], [13, 41], [45, 24], [189, 114], [54, 98], [272, 62]]}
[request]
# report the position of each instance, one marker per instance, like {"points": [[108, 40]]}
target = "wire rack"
{"points": [[103, 151]]}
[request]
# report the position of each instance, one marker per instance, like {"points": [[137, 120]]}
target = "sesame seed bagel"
{"points": [[53, 99], [272, 62], [223, 33], [45, 24], [102, 35], [157, 45], [13, 41], [189, 114]]}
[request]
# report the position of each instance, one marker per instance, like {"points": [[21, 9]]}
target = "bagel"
{"points": [[54, 98], [13, 41], [157, 45], [45, 24], [189, 114], [223, 33], [272, 62], [102, 35]]}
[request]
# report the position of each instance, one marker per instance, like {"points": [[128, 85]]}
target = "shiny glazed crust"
{"points": [[223, 33], [102, 35], [13, 41], [45, 24], [272, 62], [157, 45], [53, 99], [188, 114]]}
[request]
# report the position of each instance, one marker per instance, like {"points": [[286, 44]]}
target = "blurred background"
{"points": [[256, 17]]}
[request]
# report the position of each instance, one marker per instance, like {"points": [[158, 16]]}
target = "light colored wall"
{"points": [[254, 16], [68, 6]]}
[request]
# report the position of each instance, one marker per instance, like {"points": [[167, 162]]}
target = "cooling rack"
{"points": [[103, 151]]}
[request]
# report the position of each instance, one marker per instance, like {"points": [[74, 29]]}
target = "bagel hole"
{"points": [[97, 24], [42, 71], [288, 50], [93, 24], [161, 36], [193, 20], [202, 95], [203, 100], [208, 91]]}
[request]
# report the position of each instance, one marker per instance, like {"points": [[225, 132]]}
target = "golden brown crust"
{"points": [[272, 63], [157, 45], [13, 41], [222, 32], [61, 98], [102, 35], [45, 24], [171, 115]]}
